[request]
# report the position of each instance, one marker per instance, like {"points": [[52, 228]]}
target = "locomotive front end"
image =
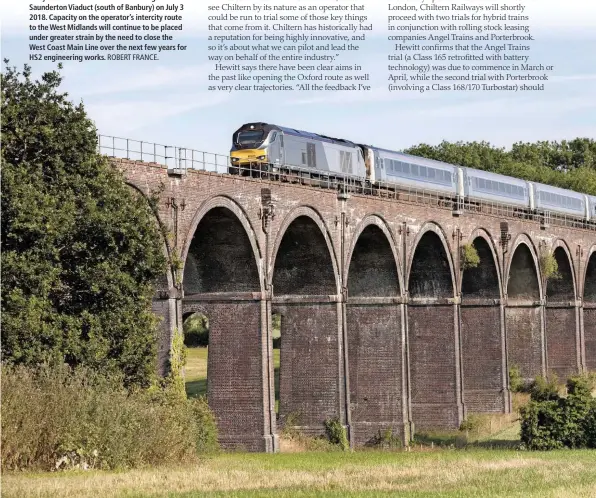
{"points": [[249, 153]]}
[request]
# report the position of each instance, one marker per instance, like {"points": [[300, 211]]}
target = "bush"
{"points": [[550, 421], [54, 418], [545, 389], [541, 425], [549, 266], [336, 433], [516, 381], [206, 428], [469, 257]]}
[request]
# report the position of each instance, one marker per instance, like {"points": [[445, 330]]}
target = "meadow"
{"points": [[484, 461], [437, 473]]}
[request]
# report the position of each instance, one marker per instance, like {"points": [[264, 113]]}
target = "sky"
{"points": [[167, 101]]}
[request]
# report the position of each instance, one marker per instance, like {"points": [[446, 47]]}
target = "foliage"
{"points": [[516, 381], [336, 433], [54, 418], [80, 250], [206, 427], [548, 266], [551, 421], [177, 360], [566, 164], [545, 389], [386, 440], [471, 423], [469, 257], [196, 331]]}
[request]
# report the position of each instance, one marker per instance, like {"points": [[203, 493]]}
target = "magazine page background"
{"points": [[167, 101]]}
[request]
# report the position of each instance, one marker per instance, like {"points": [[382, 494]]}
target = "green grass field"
{"points": [[439, 473], [432, 467]]}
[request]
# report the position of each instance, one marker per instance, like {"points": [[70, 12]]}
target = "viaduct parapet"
{"points": [[382, 324]]}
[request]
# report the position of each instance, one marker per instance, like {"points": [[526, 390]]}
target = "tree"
{"points": [[80, 250]]}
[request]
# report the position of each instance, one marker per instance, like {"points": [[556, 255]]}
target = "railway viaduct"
{"points": [[383, 326]]}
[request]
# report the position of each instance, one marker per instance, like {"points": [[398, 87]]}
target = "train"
{"points": [[272, 149]]}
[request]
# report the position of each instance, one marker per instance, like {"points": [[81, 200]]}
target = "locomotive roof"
{"points": [[297, 133], [306, 134]]}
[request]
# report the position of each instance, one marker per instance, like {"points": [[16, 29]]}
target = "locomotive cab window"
{"points": [[249, 137]]}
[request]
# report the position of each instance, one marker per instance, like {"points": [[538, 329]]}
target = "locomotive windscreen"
{"points": [[249, 137]]}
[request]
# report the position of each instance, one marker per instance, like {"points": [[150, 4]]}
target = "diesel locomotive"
{"points": [[271, 149]]}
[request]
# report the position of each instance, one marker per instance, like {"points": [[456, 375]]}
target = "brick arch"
{"points": [[560, 248], [488, 243], [435, 228], [523, 239], [375, 333], [562, 342], [226, 204], [190, 307], [223, 272], [432, 332], [590, 260], [524, 315], [377, 221], [482, 341], [313, 218], [589, 298], [304, 278]]}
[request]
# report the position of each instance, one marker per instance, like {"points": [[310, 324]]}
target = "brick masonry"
{"points": [[381, 325]]}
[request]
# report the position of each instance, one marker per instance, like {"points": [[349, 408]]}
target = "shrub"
{"points": [[469, 257], [549, 266], [54, 417], [545, 389], [336, 433], [206, 428], [516, 381], [541, 425], [550, 421]]}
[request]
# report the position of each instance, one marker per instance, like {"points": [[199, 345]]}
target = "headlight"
{"points": [[261, 157], [235, 159]]}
